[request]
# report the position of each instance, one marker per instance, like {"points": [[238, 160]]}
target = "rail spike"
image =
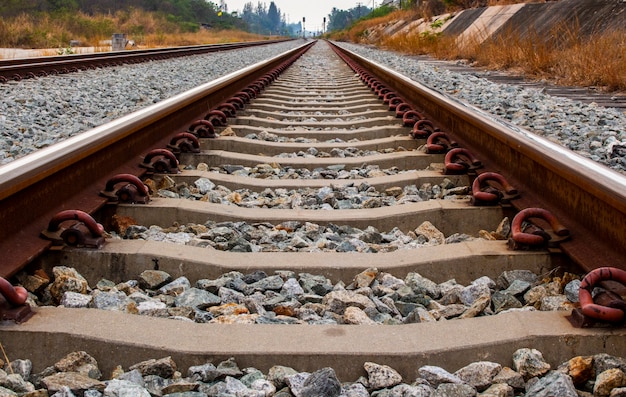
{"points": [[86, 232], [526, 236]]}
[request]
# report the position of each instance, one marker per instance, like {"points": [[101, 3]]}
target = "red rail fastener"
{"points": [[251, 92], [161, 161], [203, 128], [228, 109], [594, 310], [401, 109], [14, 295], [439, 142], [184, 142], [388, 96], [382, 91], [134, 191], [372, 83], [459, 160], [489, 195], [244, 95], [423, 128], [85, 233], [394, 102], [217, 118], [411, 117], [521, 239], [237, 102], [13, 306]]}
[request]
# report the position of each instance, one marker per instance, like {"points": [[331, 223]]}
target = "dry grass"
{"points": [[574, 59], [146, 29], [201, 37], [359, 30]]}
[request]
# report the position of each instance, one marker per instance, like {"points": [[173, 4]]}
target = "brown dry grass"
{"points": [[357, 31], [201, 37], [574, 59], [146, 29]]}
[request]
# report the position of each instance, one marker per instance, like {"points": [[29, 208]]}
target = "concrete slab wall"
{"points": [[489, 22], [582, 17]]}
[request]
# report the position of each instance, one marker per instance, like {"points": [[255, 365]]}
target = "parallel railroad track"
{"points": [[295, 109], [23, 68]]}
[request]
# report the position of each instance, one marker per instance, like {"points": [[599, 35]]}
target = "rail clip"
{"points": [[459, 161], [600, 307], [528, 236], [184, 142], [13, 306], [161, 161], [203, 129], [84, 233], [484, 194], [133, 191], [439, 142]]}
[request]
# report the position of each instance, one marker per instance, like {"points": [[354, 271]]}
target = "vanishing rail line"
{"points": [[299, 111], [22, 68]]}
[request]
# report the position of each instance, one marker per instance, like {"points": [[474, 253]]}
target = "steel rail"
{"points": [[29, 67], [589, 198], [70, 174]]}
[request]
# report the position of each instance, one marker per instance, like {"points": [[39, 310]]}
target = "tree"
{"points": [[273, 19]]}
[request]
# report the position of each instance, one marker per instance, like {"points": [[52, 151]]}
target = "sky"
{"points": [[313, 10]]}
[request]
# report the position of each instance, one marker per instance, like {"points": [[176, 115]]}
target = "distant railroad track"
{"points": [[170, 142], [23, 68]]}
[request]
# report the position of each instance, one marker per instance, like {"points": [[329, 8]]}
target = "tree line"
{"points": [[256, 18]]}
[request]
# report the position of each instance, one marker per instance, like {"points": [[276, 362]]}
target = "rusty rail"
{"points": [[69, 175], [21, 68], [588, 198]]}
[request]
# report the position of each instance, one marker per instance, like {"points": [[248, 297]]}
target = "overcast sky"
{"points": [[313, 10]]}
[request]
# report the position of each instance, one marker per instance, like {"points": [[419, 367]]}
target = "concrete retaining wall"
{"points": [[581, 16]]}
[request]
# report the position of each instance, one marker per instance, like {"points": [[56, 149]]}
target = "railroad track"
{"points": [[24, 68], [359, 171]]}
